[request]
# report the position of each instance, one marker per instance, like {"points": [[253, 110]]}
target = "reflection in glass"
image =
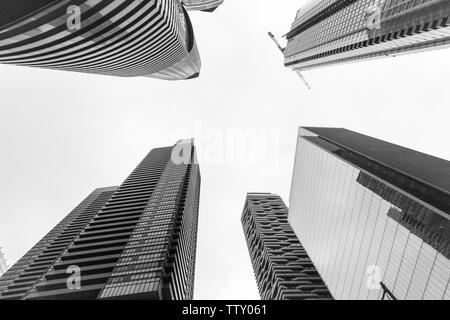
{"points": [[360, 229]]}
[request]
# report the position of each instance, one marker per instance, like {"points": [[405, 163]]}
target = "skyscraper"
{"points": [[282, 267], [3, 265], [327, 32], [135, 241], [373, 216], [151, 38], [202, 5]]}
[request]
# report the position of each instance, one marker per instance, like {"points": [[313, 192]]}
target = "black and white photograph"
{"points": [[230, 156]]}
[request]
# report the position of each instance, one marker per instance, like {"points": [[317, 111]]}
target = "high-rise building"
{"points": [[202, 5], [281, 265], [327, 32], [3, 265], [150, 38], [373, 216], [135, 241]]}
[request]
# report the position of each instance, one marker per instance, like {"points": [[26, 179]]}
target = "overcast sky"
{"points": [[64, 134]]}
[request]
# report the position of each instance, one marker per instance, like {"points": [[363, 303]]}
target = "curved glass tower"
{"points": [[151, 38]]}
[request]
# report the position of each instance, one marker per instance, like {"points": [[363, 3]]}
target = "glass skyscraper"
{"points": [[373, 216], [282, 268], [327, 32], [126, 38], [135, 241]]}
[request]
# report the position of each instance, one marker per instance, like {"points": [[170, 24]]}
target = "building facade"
{"points": [[202, 5], [373, 216], [119, 37], [328, 32], [135, 241], [281, 265], [3, 264]]}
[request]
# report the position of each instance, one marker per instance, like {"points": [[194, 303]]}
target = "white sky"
{"points": [[64, 134]]}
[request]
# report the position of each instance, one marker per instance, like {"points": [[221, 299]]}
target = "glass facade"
{"points": [[368, 238], [144, 262], [122, 38], [330, 32], [24, 275], [135, 241]]}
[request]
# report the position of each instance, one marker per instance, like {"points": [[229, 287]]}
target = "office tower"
{"points": [[202, 5], [327, 32], [281, 265], [373, 216], [3, 265], [150, 38], [135, 241]]}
